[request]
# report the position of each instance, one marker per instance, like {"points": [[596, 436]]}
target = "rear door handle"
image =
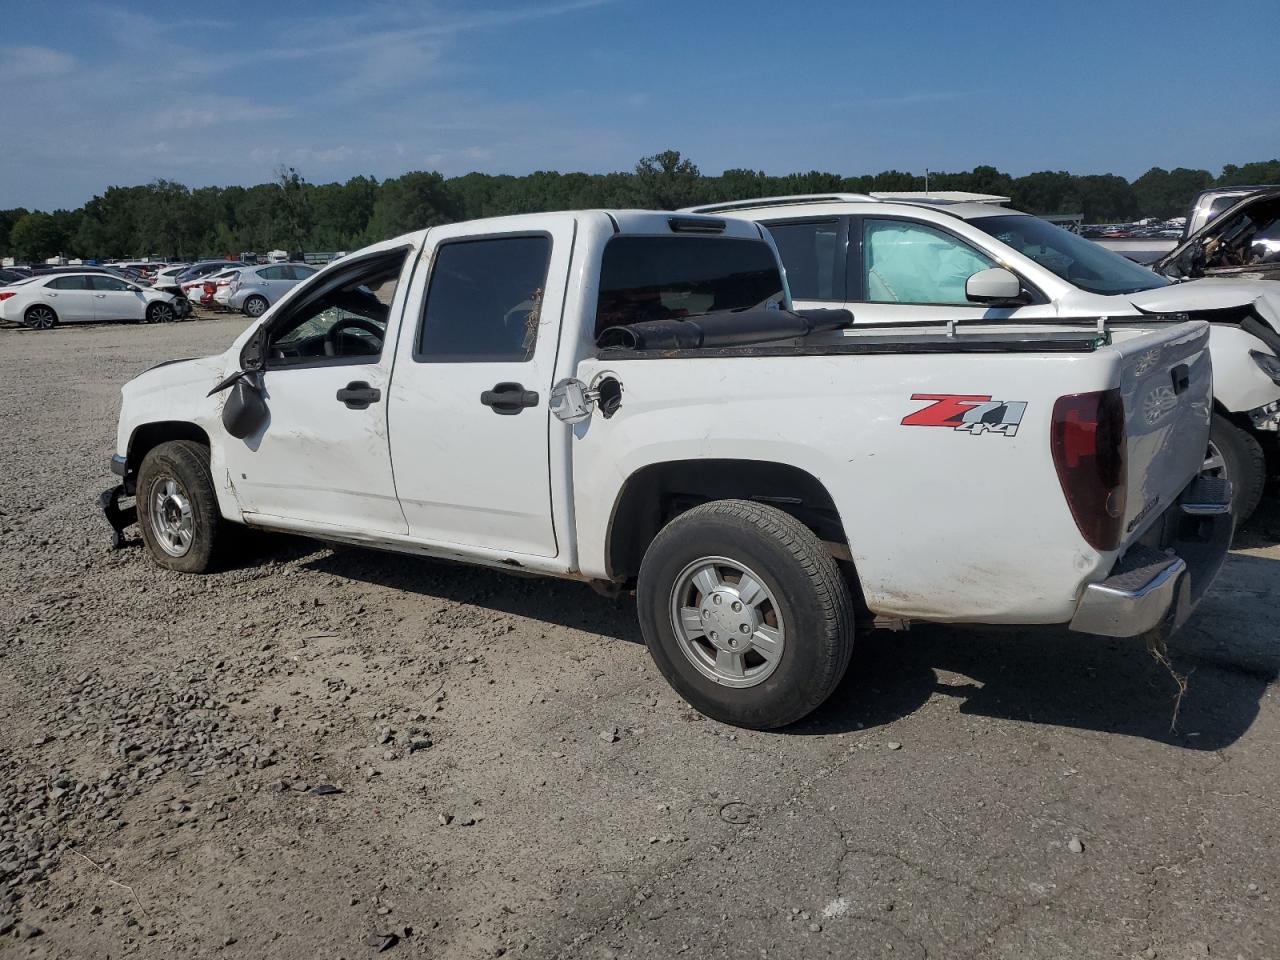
{"points": [[509, 398], [357, 395]]}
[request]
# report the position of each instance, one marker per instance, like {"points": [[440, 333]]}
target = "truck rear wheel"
{"points": [[177, 507], [745, 613], [1238, 457]]}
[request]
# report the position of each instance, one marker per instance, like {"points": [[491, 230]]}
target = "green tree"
{"points": [[36, 237], [167, 220], [1168, 193], [411, 202], [1106, 198], [294, 208], [7, 219], [1261, 173], [666, 181]]}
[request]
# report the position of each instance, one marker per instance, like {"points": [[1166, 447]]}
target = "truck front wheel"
{"points": [[1238, 457], [177, 507], [745, 613]]}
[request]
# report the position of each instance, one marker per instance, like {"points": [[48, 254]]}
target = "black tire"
{"points": [[186, 464], [255, 306], [40, 316], [812, 597], [161, 313], [1237, 456]]}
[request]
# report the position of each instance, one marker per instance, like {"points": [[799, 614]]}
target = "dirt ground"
{"points": [[322, 754]]}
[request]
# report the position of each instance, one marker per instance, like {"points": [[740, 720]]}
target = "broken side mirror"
{"points": [[997, 287], [245, 410]]}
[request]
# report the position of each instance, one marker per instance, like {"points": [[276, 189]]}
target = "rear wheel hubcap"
{"points": [[727, 622]]}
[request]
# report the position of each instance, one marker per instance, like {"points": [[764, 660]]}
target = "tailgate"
{"points": [[1167, 385]]}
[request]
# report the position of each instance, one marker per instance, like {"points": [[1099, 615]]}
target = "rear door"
{"points": [[117, 300], [71, 298], [469, 400]]}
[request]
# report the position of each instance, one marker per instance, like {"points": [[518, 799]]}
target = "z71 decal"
{"points": [[968, 413]]}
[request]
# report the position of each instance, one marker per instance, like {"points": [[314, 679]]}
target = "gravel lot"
{"points": [[326, 753]]}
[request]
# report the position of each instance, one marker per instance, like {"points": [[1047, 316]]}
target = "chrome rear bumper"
{"points": [[1156, 586]]}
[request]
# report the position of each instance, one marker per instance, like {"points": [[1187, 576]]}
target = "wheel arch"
{"points": [[656, 493], [40, 305], [147, 436]]}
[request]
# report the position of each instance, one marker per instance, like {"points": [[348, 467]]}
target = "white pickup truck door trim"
{"points": [[465, 473], [318, 461]]}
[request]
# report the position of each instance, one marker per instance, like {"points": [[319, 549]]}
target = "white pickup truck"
{"points": [[625, 398]]}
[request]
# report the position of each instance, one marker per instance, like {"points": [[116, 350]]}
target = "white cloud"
{"points": [[20, 63]]}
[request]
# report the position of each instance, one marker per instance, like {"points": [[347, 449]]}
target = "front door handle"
{"points": [[357, 395], [509, 398]]}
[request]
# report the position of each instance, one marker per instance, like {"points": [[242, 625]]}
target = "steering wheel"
{"points": [[360, 323]]}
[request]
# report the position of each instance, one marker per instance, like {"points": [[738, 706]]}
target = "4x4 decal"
{"points": [[969, 413]]}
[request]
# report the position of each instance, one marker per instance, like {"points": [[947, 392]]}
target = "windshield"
{"points": [[1080, 262], [670, 278]]}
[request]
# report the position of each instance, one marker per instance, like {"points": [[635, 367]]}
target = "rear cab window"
{"points": [[671, 278]]}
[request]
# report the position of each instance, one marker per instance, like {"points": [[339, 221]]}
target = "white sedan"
{"points": [[44, 301]]}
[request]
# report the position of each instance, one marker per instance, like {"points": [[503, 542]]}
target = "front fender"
{"points": [[1239, 384], [177, 393]]}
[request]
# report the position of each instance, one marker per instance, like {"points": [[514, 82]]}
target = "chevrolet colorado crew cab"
{"points": [[906, 261], [626, 398]]}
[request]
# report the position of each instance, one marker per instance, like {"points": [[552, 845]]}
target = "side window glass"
{"points": [[484, 300], [271, 273], [70, 283], [104, 282], [809, 253], [905, 262], [345, 323]]}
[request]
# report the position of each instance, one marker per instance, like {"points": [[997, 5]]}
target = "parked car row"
{"points": [[71, 294]]}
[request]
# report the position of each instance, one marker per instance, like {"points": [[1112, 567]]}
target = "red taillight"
{"points": [[1089, 451], [6, 294]]}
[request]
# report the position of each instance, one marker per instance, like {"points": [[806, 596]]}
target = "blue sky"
{"points": [[100, 93]]}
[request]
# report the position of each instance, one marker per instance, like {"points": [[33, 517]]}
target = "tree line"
{"points": [[169, 220]]}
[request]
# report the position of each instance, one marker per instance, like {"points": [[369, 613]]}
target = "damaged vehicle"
{"points": [[904, 261], [1240, 243], [628, 399]]}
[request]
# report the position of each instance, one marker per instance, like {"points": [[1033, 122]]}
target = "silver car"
{"points": [[257, 288]]}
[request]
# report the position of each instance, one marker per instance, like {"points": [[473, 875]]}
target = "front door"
{"points": [[886, 270], [322, 459], [469, 401], [116, 299]]}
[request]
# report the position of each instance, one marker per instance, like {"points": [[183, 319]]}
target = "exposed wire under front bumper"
{"points": [[1155, 588]]}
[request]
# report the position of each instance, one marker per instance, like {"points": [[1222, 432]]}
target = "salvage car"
{"points": [[46, 300], [899, 262], [254, 289], [1240, 243], [1212, 203], [626, 398]]}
